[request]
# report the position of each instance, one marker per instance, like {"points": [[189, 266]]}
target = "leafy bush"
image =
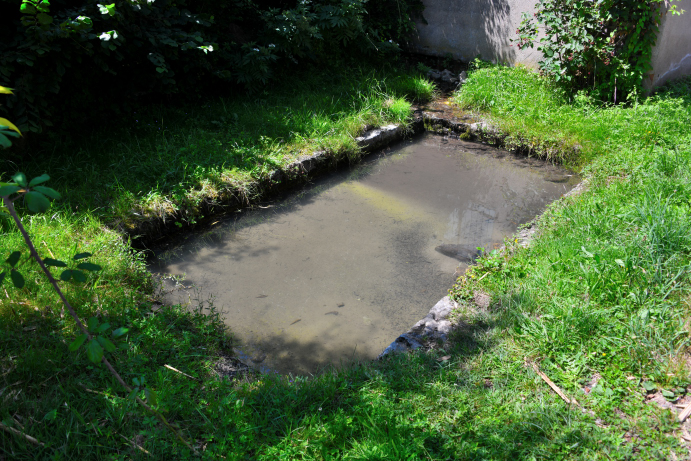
{"points": [[603, 45], [106, 55], [95, 53]]}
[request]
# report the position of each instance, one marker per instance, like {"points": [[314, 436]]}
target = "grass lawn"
{"points": [[170, 157], [599, 301]]}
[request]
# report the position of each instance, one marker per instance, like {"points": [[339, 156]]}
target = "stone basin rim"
{"points": [[436, 326]]}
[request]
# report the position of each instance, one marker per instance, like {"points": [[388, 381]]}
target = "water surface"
{"points": [[336, 272]]}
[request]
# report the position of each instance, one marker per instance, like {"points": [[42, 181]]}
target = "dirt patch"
{"points": [[482, 300], [230, 367]]}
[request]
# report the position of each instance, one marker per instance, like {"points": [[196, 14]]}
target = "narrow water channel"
{"points": [[337, 271]]}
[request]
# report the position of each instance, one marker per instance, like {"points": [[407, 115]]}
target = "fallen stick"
{"points": [[17, 422], [14, 431], [46, 245], [135, 445], [685, 414], [554, 387], [8, 371], [178, 371], [101, 393]]}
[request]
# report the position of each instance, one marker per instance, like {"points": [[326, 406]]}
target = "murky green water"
{"points": [[338, 271]]}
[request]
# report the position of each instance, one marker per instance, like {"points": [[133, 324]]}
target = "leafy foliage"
{"points": [[259, 38], [602, 45], [7, 128], [94, 332], [108, 55], [92, 52]]}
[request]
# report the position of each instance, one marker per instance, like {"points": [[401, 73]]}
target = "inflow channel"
{"points": [[335, 272]]}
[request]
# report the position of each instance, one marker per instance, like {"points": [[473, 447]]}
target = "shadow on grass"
{"points": [[412, 406], [157, 156]]}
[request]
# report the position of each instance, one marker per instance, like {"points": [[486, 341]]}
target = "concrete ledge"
{"points": [[380, 137], [152, 226], [484, 132]]}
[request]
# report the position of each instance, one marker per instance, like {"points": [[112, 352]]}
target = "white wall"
{"points": [[468, 28]]}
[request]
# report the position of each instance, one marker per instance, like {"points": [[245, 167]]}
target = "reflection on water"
{"points": [[336, 272]]}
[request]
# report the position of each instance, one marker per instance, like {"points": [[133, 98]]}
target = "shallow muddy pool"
{"points": [[337, 271]]}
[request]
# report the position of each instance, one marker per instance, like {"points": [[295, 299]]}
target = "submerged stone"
{"points": [[463, 253]]}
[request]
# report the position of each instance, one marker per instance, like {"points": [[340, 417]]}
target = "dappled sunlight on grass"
{"points": [[162, 157], [599, 301]]}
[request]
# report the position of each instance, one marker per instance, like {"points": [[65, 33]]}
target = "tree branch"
{"points": [[10, 207]]}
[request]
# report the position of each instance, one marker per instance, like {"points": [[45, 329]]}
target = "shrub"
{"points": [[106, 55], [604, 46]]}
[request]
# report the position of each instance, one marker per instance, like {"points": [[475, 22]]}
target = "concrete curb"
{"points": [[151, 226], [436, 326], [156, 225]]}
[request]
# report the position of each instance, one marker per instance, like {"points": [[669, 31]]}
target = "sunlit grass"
{"points": [[531, 107], [600, 300], [601, 295]]}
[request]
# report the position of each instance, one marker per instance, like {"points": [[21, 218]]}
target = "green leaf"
{"points": [[151, 396], [17, 279], [39, 180], [6, 132], [648, 386], [4, 142], [52, 193], [13, 259], [8, 124], [9, 190], [103, 327], [44, 18], [20, 179], [37, 202], [27, 8], [667, 394], [79, 276], [94, 351], [77, 343], [51, 415], [89, 267], [92, 324], [106, 343], [54, 262], [66, 275], [79, 256], [119, 332]]}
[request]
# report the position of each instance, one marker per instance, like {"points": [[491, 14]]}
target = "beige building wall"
{"points": [[465, 29], [469, 28]]}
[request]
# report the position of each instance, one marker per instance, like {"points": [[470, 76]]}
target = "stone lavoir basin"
{"points": [[337, 271]]}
